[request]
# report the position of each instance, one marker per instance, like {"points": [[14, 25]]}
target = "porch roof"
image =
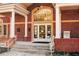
{"points": [[13, 7]]}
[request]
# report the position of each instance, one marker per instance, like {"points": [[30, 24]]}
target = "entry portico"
{"points": [[13, 9]]}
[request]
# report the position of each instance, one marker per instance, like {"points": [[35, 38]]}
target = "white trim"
{"points": [[23, 10], [46, 31], [20, 12], [70, 21], [38, 32], [15, 23], [29, 22], [6, 8]]}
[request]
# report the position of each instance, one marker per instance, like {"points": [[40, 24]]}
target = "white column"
{"points": [[26, 26], [58, 22], [12, 25]]}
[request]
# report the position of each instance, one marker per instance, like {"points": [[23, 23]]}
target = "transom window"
{"points": [[42, 14]]}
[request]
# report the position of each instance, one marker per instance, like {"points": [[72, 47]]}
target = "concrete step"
{"points": [[30, 50], [31, 47], [29, 44]]}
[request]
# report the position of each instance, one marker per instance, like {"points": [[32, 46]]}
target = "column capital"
{"points": [[56, 6], [25, 16], [57, 9], [13, 10]]}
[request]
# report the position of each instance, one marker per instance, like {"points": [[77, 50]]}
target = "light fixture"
{"points": [[45, 18]]}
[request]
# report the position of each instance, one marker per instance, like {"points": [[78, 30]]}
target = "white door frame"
{"points": [[42, 40]]}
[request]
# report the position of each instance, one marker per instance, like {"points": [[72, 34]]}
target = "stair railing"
{"points": [[51, 46]]}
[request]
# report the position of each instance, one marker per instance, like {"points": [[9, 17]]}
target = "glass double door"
{"points": [[42, 32]]}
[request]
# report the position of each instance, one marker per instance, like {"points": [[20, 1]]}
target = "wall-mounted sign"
{"points": [[66, 34]]}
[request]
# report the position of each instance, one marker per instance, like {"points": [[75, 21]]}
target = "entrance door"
{"points": [[42, 33]]}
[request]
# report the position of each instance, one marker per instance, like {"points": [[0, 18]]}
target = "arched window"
{"points": [[42, 13]]}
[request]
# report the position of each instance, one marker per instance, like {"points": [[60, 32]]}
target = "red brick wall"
{"points": [[67, 45], [6, 19], [70, 26], [20, 35], [70, 15], [29, 17], [18, 18], [73, 27], [34, 5]]}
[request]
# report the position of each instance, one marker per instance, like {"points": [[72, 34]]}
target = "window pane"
{"points": [[18, 29], [0, 30], [35, 31], [42, 31], [4, 29], [48, 31]]}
